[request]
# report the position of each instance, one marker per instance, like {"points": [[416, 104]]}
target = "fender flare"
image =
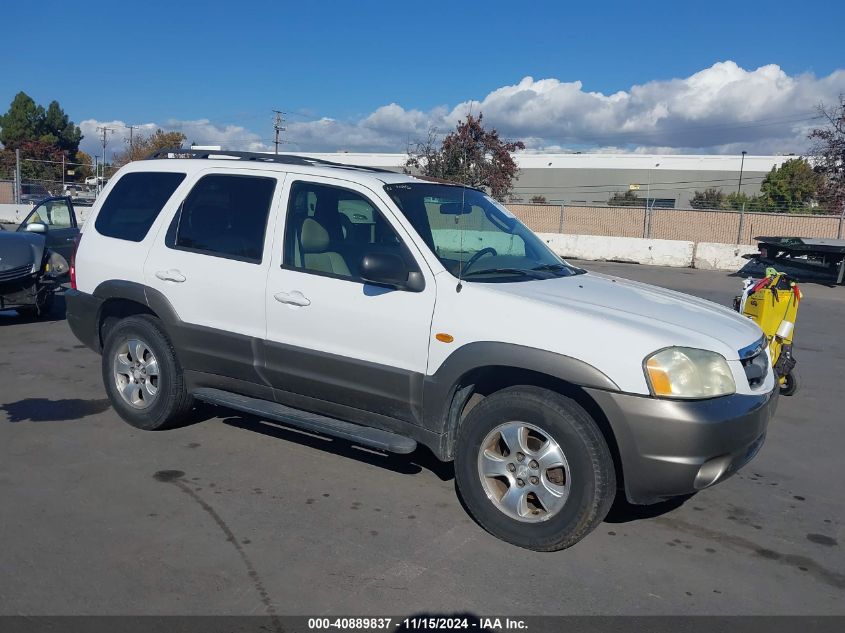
{"points": [[440, 388]]}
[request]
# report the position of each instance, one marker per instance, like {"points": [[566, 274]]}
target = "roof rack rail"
{"points": [[285, 159]]}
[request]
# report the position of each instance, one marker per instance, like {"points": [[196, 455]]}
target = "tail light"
{"points": [[76, 241]]}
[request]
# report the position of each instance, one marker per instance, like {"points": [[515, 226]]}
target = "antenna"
{"points": [[278, 126]]}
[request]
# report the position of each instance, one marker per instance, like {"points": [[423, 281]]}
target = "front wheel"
{"points": [[534, 469], [142, 375]]}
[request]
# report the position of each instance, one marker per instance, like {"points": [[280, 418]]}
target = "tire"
{"points": [[156, 398], [587, 473], [791, 383]]}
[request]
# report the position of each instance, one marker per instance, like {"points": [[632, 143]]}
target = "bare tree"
{"points": [[829, 153]]}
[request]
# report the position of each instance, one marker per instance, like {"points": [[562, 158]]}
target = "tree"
{"points": [[471, 155], [60, 130], [829, 154], [84, 167], [709, 199], [25, 121], [142, 146], [538, 199], [792, 187], [627, 199]]}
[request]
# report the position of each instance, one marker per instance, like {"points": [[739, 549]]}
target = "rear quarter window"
{"points": [[134, 203]]}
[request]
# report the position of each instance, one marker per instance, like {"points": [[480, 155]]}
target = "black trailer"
{"points": [[816, 255]]}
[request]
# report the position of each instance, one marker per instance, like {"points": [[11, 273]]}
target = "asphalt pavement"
{"points": [[238, 515]]}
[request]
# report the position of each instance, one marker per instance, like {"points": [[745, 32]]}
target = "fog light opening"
{"points": [[711, 471]]}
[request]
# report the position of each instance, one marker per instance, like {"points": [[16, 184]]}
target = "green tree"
{"points": [[708, 199], [24, 121], [471, 155], [144, 145], [538, 200], [794, 187], [627, 199], [59, 130]]}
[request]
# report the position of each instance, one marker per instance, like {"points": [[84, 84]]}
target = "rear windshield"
{"points": [[134, 203]]}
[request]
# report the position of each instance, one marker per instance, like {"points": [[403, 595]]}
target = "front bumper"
{"points": [[23, 291], [670, 448]]}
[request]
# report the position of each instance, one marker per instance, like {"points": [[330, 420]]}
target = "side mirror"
{"points": [[36, 227], [386, 269]]}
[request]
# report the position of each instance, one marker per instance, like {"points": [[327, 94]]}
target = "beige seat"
{"points": [[314, 244]]}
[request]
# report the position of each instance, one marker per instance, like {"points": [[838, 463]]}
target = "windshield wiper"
{"points": [[572, 269], [502, 271]]}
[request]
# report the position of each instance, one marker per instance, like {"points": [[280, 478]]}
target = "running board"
{"points": [[356, 433]]}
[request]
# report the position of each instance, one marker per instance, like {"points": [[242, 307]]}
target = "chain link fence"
{"points": [[693, 225], [24, 179]]}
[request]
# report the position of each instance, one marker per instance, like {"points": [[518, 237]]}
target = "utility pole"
{"points": [[105, 130], [17, 176], [131, 129], [741, 165], [278, 120]]}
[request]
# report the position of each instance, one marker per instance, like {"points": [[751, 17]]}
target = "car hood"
{"points": [[19, 249], [640, 304]]}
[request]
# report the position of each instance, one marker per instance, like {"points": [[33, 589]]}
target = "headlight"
{"points": [[683, 372]]}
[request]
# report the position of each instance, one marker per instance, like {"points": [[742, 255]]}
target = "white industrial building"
{"points": [[667, 180]]}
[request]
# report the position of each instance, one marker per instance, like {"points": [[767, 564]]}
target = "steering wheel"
{"points": [[477, 256]]}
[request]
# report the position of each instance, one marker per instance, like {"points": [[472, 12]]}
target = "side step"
{"points": [[356, 433]]}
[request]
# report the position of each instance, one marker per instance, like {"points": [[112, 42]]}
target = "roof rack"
{"points": [[284, 159]]}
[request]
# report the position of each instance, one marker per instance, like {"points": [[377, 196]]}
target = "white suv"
{"points": [[391, 311]]}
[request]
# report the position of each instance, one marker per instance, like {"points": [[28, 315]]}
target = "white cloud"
{"points": [[200, 132], [722, 109]]}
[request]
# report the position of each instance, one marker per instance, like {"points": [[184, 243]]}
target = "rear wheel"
{"points": [[534, 469], [142, 375]]}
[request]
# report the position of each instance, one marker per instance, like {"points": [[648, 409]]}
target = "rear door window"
{"points": [[225, 216], [134, 203]]}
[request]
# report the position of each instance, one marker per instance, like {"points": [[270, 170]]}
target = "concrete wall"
{"points": [[621, 249], [15, 213], [676, 253]]}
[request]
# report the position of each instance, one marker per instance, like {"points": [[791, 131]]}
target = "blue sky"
{"points": [[229, 64]]}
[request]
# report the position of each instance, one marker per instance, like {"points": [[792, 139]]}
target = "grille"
{"points": [[755, 363], [14, 273]]}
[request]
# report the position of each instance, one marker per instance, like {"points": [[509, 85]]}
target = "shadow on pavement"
{"points": [[44, 410], [421, 459]]}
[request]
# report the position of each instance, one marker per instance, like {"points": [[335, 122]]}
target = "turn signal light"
{"points": [[444, 338], [659, 378]]}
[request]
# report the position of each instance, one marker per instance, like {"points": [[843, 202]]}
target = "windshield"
{"points": [[474, 236]]}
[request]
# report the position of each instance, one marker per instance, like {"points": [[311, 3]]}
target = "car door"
{"points": [[211, 263], [336, 344], [59, 219]]}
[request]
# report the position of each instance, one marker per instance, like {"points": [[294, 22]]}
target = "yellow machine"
{"points": [[772, 303]]}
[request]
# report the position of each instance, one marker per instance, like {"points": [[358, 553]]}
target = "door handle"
{"points": [[294, 298], [171, 275]]}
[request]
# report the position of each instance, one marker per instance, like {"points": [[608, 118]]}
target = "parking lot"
{"points": [[236, 515]]}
